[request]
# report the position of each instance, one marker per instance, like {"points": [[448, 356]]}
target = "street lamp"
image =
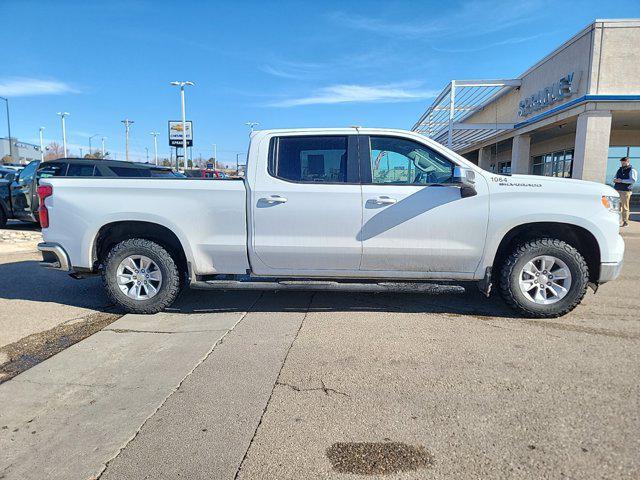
{"points": [[155, 145], [127, 125], [41, 129], [96, 135], [184, 122], [64, 132], [9, 128], [251, 125]]}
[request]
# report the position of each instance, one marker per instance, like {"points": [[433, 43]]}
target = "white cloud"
{"points": [[508, 41], [27, 87], [471, 19], [358, 94]]}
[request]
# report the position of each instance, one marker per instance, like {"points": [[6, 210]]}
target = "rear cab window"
{"points": [[80, 170]]}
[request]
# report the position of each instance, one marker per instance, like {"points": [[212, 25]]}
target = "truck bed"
{"points": [[208, 217]]}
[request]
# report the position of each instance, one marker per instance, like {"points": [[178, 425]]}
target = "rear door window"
{"points": [[310, 159]]}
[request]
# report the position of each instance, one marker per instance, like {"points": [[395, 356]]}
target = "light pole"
{"points": [[9, 128], [41, 129], [251, 125], [103, 139], [155, 145], [97, 134], [184, 122], [64, 132], [215, 156], [127, 124]]}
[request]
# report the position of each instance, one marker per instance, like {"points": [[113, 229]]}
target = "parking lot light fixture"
{"points": [[92, 136], [6, 100], [251, 126], [40, 130], [127, 125], [63, 115], [184, 122], [155, 145]]}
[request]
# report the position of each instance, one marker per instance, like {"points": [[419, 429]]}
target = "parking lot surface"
{"points": [[444, 384]]}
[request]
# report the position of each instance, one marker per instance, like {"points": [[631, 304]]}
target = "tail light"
{"points": [[44, 191]]}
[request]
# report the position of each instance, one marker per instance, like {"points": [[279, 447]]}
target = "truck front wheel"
{"points": [[140, 276], [544, 278]]}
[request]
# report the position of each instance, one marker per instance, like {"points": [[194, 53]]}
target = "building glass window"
{"points": [[554, 164], [504, 168], [613, 163]]}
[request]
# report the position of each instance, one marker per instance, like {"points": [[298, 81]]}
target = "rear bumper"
{"points": [[54, 256], [609, 271]]}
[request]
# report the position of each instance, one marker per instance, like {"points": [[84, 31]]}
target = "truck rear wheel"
{"points": [[141, 276], [544, 278]]}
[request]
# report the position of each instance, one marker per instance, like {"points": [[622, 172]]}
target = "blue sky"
{"points": [[283, 64]]}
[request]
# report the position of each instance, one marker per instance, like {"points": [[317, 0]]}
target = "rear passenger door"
{"points": [[306, 206]]}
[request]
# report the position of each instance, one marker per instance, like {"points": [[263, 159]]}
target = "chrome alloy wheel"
{"points": [[139, 277], [545, 280]]}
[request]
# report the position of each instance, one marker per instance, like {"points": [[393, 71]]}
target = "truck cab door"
{"points": [[306, 206], [23, 190], [417, 219]]}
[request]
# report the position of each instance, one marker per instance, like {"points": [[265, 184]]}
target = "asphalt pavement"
{"points": [[253, 385]]}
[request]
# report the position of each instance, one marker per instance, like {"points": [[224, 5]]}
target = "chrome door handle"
{"points": [[274, 199], [384, 200]]}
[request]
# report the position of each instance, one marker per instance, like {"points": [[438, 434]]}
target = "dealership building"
{"points": [[23, 152], [572, 114]]}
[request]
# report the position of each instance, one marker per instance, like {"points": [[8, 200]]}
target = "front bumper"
{"points": [[54, 256], [609, 271]]}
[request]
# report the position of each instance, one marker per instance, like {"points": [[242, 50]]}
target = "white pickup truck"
{"points": [[344, 208]]}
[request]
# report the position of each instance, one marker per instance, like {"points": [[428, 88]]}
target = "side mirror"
{"points": [[466, 178]]}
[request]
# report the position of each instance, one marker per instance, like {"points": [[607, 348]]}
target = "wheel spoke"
{"points": [[125, 278], [155, 275], [560, 274], [558, 289], [130, 264], [151, 290]]}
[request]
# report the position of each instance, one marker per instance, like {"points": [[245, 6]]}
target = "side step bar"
{"points": [[316, 285]]}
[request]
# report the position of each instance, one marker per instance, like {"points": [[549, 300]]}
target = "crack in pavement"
{"points": [[323, 388], [176, 388], [128, 330], [264, 410]]}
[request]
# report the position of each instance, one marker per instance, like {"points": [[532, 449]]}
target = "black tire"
{"points": [[3, 218], [512, 266], [169, 289]]}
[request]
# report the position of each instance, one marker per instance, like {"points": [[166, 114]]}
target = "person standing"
{"points": [[625, 177]]}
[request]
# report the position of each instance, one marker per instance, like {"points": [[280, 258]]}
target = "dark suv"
{"points": [[19, 197]]}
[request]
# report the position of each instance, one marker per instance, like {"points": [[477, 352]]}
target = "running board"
{"points": [[316, 285]]}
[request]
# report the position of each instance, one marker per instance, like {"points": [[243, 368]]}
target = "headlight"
{"points": [[611, 203]]}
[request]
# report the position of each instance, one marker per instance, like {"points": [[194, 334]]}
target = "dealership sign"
{"points": [[175, 133], [563, 88]]}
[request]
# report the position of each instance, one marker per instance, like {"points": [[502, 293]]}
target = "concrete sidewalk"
{"points": [[68, 416]]}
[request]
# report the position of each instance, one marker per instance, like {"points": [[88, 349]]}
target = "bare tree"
{"points": [[53, 150]]}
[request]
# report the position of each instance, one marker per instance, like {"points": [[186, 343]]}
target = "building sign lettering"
{"points": [[563, 88]]}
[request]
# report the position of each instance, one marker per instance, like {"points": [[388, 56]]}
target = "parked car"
{"points": [[330, 209], [8, 172], [205, 173], [19, 198]]}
